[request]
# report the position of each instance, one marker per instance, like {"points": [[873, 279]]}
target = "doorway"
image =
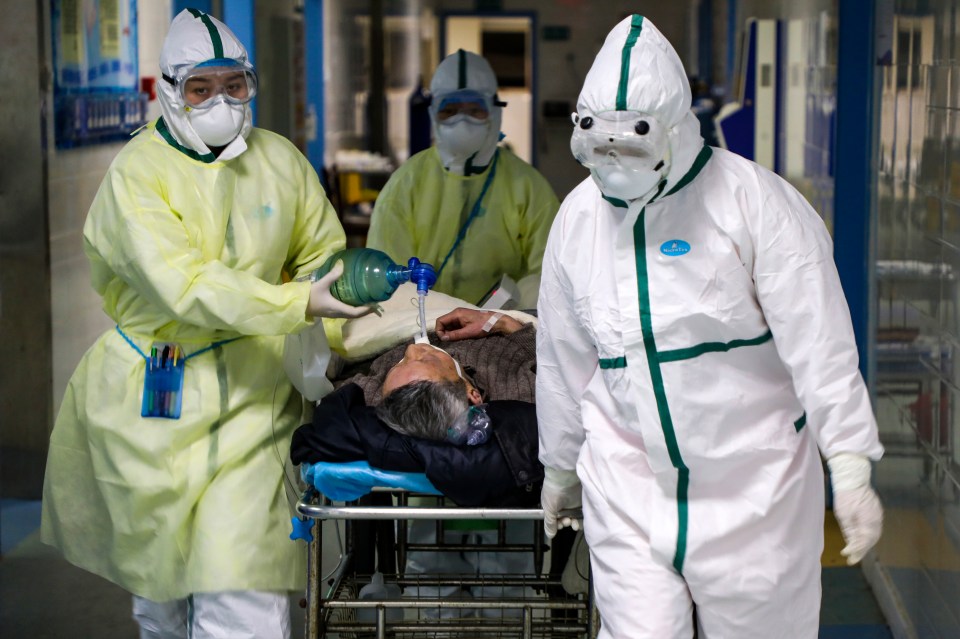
{"points": [[507, 41]]}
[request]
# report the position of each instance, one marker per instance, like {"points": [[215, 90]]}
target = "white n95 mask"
{"points": [[457, 142], [623, 184], [218, 125]]}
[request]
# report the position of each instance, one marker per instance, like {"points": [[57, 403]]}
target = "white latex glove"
{"points": [[855, 504], [559, 498], [323, 304]]}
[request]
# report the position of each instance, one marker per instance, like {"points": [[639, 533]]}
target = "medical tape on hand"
{"points": [[491, 322]]}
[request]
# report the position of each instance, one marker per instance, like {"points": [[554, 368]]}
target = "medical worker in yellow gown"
{"points": [[468, 206], [187, 238]]}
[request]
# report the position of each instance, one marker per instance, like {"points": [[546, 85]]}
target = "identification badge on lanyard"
{"points": [[163, 381]]}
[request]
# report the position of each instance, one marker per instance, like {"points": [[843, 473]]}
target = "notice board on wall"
{"points": [[96, 71]]}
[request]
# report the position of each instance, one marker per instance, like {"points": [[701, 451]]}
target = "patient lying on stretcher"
{"points": [[392, 408]]}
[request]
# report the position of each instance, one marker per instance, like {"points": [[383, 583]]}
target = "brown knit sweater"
{"points": [[501, 366]]}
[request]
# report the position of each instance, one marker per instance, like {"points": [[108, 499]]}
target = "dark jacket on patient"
{"points": [[503, 471]]}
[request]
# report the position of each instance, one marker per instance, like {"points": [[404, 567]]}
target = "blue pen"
{"points": [[165, 395]]}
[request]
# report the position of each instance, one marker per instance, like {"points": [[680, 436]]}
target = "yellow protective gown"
{"points": [[423, 206], [190, 252]]}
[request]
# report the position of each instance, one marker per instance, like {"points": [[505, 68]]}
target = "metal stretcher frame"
{"points": [[340, 593]]}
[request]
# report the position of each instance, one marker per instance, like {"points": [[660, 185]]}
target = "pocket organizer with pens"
{"points": [[163, 382]]}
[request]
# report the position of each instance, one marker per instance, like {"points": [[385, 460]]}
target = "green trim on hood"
{"points": [[625, 205], [656, 377], [162, 129], [214, 34], [698, 164], [612, 200], [712, 347], [461, 69], [636, 25]]}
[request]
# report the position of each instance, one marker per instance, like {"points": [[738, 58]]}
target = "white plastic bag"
{"points": [[306, 356]]}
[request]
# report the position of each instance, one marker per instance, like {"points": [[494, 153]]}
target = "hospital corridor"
{"points": [[521, 319]]}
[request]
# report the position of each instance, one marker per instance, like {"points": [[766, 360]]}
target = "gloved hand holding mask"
{"points": [[855, 504]]}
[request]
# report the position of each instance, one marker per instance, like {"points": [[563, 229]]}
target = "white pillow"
{"points": [[371, 334]]}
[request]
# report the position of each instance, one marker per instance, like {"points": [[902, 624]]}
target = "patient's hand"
{"points": [[467, 323]]}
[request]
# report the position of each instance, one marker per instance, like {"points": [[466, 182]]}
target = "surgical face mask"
{"points": [[461, 139], [219, 124]]}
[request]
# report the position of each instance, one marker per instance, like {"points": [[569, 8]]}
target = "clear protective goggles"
{"points": [[202, 85], [465, 104], [629, 139]]}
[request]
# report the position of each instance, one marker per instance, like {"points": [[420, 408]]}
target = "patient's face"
{"points": [[420, 362]]}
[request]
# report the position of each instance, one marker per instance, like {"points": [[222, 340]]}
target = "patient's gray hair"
{"points": [[424, 409]]}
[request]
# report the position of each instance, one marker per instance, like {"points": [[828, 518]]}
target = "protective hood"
{"points": [[459, 71], [196, 37], [637, 69]]}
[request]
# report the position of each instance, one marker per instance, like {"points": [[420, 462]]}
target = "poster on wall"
{"points": [[96, 84]]}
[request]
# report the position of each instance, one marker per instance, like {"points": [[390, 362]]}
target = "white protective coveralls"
{"points": [[427, 202], [695, 349], [188, 248]]}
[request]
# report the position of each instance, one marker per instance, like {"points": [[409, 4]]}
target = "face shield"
{"points": [[627, 140], [203, 85]]}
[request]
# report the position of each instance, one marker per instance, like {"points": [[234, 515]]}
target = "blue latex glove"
{"points": [[350, 481]]}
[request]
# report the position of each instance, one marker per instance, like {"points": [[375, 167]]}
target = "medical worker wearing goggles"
{"points": [[695, 351], [471, 208], [193, 225]]}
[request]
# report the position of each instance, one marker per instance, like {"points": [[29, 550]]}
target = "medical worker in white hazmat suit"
{"points": [[182, 502], [695, 350]]}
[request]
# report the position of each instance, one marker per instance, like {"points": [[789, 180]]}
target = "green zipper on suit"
{"points": [[654, 359]]}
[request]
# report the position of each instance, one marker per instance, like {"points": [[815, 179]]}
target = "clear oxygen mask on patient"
{"points": [[472, 428]]}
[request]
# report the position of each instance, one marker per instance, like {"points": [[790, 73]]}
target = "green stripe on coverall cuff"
{"points": [[613, 362]]}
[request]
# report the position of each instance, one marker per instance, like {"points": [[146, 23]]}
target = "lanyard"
{"points": [[190, 356], [474, 213]]}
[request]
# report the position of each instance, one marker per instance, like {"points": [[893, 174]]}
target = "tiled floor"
{"points": [[43, 596]]}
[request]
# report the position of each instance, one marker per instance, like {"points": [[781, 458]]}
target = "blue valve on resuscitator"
{"points": [[422, 274]]}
